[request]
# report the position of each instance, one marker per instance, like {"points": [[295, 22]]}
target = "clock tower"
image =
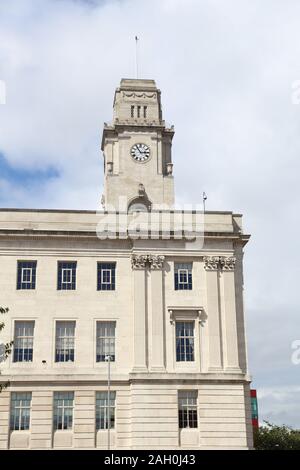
{"points": [[136, 147]]}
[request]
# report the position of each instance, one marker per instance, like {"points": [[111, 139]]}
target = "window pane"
{"points": [[187, 409], [20, 411], [106, 276], [103, 411], [183, 276], [63, 410], [105, 341], [185, 341], [66, 275], [23, 341], [65, 341], [26, 275]]}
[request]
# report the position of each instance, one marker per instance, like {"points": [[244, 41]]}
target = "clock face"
{"points": [[140, 152]]}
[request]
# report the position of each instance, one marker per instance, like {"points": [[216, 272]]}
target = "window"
{"points": [[23, 341], [145, 112], [66, 275], [63, 410], [132, 111], [184, 341], [105, 342], [26, 275], [65, 341], [138, 111], [187, 409], [183, 276], [102, 410], [20, 411], [106, 276], [139, 204]]}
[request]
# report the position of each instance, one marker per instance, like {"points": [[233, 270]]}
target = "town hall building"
{"points": [[128, 322]]}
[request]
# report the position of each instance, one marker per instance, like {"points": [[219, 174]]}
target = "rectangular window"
{"points": [[187, 409], [105, 341], [103, 414], [183, 276], [66, 275], [145, 111], [65, 341], [63, 410], [26, 275], [138, 111], [20, 411], [23, 341], [106, 276], [185, 341], [132, 111]]}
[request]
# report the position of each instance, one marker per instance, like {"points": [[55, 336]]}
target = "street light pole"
{"points": [[107, 358]]}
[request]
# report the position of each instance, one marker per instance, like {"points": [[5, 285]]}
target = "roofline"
{"points": [[81, 211]]}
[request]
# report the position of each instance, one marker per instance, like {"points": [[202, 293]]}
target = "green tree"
{"points": [[274, 437], [5, 349]]}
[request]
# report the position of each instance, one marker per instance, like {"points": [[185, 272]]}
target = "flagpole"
{"points": [[107, 358], [136, 57], [204, 197]]}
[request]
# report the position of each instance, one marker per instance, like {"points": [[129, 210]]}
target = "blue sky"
{"points": [[27, 178], [226, 71]]}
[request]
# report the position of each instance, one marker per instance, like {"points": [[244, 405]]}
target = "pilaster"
{"points": [[157, 315], [4, 419], [213, 312], [84, 419], [139, 266]]}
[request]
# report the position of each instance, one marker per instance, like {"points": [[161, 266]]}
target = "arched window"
{"points": [[139, 204]]}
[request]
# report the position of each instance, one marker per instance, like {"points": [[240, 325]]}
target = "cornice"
{"points": [[127, 379], [41, 234]]}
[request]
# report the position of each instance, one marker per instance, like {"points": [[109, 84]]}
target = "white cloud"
{"points": [[279, 405], [225, 70]]}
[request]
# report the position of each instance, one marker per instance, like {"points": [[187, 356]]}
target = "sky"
{"points": [[228, 72]]}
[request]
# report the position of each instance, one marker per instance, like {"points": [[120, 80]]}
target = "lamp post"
{"points": [[108, 358]]}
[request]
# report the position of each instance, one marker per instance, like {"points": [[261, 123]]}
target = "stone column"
{"points": [[157, 314], [41, 419], [225, 328], [213, 313], [230, 335], [4, 419], [84, 419], [139, 265]]}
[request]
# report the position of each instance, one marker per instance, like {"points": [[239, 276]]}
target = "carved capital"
{"points": [[139, 261], [219, 263], [211, 263], [228, 263], [147, 261], [156, 261]]}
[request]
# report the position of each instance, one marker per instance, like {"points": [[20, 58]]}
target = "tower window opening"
{"points": [[145, 111], [138, 111], [132, 111]]}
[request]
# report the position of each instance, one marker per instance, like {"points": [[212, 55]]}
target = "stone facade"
{"points": [[146, 375]]}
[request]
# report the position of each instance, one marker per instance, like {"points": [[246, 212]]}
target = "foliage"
{"points": [[274, 437], [5, 349]]}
